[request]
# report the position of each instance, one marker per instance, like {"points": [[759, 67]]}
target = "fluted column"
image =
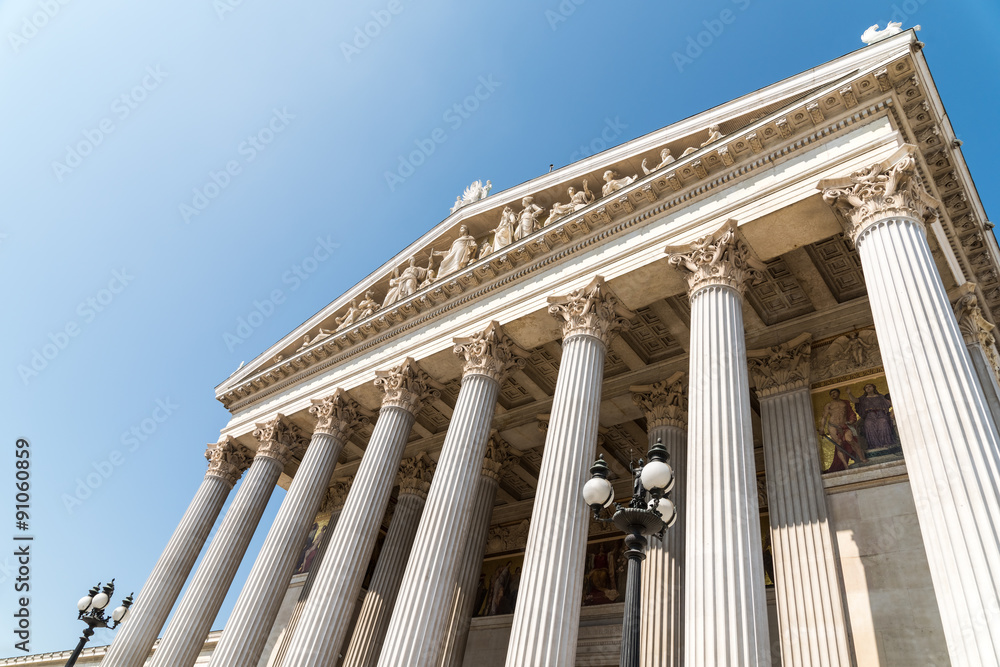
{"points": [[380, 599], [226, 462], [333, 503], [811, 611], [725, 611], [246, 631], [498, 453], [326, 616], [419, 627], [948, 436], [662, 633], [978, 335], [547, 616], [191, 622]]}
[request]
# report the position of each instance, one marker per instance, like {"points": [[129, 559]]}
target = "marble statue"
{"points": [[528, 218], [665, 159], [873, 34], [473, 193], [367, 305], [503, 235], [402, 285], [688, 151], [456, 258], [307, 340], [713, 135], [577, 200], [612, 184], [350, 316], [431, 277]]}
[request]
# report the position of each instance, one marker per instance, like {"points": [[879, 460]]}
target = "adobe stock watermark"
{"points": [[363, 35], [121, 108], [248, 149], [561, 13], [714, 27], [45, 11], [131, 439], [612, 130], [87, 311], [454, 116], [265, 308], [223, 7]]}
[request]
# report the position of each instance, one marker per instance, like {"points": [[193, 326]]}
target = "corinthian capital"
{"points": [[336, 495], [280, 440], [228, 459], [490, 352], [591, 311], [780, 368], [338, 415], [406, 386], [498, 454], [886, 189], [722, 258], [665, 403], [415, 475], [975, 328]]}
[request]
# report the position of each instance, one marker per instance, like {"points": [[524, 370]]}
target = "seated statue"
{"points": [[665, 159], [367, 305], [688, 151], [577, 200], [350, 316], [713, 135], [612, 184]]}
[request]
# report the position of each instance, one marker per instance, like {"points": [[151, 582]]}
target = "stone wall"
{"points": [[894, 616]]}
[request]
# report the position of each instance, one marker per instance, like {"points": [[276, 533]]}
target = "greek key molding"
{"points": [[415, 475], [228, 459], [280, 440], [338, 415], [490, 352], [406, 386], [781, 368], [886, 189], [593, 310], [722, 258], [664, 403]]}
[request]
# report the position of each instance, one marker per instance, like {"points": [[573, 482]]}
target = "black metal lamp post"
{"points": [[91, 609], [648, 513]]}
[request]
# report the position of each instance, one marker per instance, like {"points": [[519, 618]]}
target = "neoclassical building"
{"points": [[793, 291]]}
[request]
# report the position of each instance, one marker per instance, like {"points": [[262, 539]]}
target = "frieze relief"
{"points": [[503, 238], [848, 354]]}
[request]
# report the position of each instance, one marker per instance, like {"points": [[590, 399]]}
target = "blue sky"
{"points": [[113, 259]]}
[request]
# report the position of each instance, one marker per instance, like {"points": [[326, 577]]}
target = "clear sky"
{"points": [[135, 294]]}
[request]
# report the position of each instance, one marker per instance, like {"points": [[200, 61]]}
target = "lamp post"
{"points": [[91, 608], [649, 512]]}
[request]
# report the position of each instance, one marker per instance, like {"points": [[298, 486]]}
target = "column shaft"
{"points": [[416, 635], [663, 571], [136, 637], [632, 619], [380, 599], [472, 567], [947, 433], [547, 617], [811, 611], [987, 379], [185, 635], [286, 637], [246, 631], [725, 606], [326, 616]]}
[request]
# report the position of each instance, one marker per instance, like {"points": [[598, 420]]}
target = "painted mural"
{"points": [[314, 541], [855, 423]]}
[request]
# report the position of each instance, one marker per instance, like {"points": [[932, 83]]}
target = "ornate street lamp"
{"points": [[91, 608], [648, 513]]}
